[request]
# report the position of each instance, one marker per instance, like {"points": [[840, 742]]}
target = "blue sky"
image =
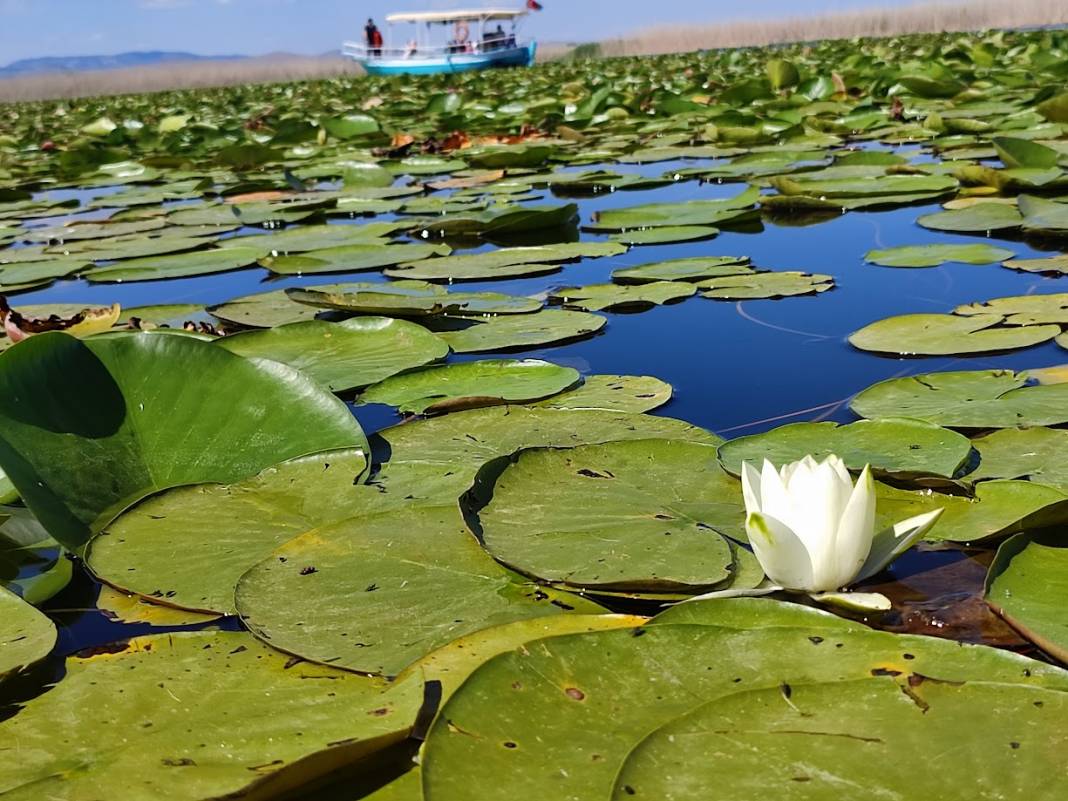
{"points": [[77, 27]]}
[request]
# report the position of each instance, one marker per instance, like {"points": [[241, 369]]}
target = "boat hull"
{"points": [[457, 62]]}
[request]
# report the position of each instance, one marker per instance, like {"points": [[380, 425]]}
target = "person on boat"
{"points": [[411, 49], [377, 42], [494, 40], [369, 33], [461, 33]]}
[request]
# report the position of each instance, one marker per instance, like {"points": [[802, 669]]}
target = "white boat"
{"points": [[474, 43]]}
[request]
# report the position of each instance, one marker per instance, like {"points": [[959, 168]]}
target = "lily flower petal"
{"points": [[819, 499], [855, 601], [891, 542], [780, 552], [751, 487], [774, 498], [855, 528]]}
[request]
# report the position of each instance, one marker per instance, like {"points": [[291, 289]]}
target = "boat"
{"points": [[471, 42]]}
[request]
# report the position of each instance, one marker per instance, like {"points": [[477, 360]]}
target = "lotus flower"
{"points": [[813, 531]]}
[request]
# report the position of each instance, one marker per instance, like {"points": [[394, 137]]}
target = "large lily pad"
{"points": [[606, 522], [1057, 265], [1023, 309], [597, 297], [519, 331], [894, 446], [765, 285], [934, 255], [1043, 216], [375, 593], [227, 716], [187, 547], [978, 218], [303, 238], [351, 258], [410, 299], [1027, 584], [197, 262], [820, 739], [869, 187], [263, 310], [967, 399], [663, 215], [345, 355], [452, 387], [666, 235], [617, 393], [1032, 453], [505, 262], [666, 672], [947, 334], [150, 412], [692, 269], [26, 635], [499, 221]]}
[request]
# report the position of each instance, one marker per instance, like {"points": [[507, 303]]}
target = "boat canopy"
{"points": [[468, 15]]}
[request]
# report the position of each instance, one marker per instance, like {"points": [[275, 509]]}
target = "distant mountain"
{"points": [[39, 66]]}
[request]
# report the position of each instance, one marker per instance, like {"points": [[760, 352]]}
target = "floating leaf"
{"points": [[1032, 453], [618, 393], [693, 269], [597, 297], [671, 215], [410, 299], [1043, 216], [345, 355], [143, 420], [350, 258], [666, 235], [1053, 264], [947, 334], [893, 446], [934, 255], [198, 262], [465, 385], [974, 219], [505, 262], [26, 635], [516, 331], [500, 221], [263, 310], [765, 285]]}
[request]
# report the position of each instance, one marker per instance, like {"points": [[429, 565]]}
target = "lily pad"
{"points": [[14, 277], [660, 675], [259, 728], [519, 331], [979, 218], [467, 385], [967, 399], [947, 334], [317, 237], [1052, 264], [663, 215], [1023, 309], [500, 221], [617, 393], [505, 262], [693, 269], [26, 635], [1043, 216], [197, 262], [605, 521], [665, 236], [765, 285], [410, 299], [775, 746], [1036, 454], [934, 255], [351, 258], [597, 297], [263, 310], [346, 355], [187, 547], [367, 594], [1027, 584], [893, 446], [151, 412]]}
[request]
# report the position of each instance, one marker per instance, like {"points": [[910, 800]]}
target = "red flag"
{"points": [[534, 5]]}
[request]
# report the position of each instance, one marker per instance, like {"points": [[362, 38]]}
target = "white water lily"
{"points": [[813, 531]]}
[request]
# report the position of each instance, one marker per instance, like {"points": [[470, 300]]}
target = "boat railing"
{"points": [[365, 52]]}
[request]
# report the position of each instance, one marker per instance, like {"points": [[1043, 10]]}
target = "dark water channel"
{"points": [[737, 368]]}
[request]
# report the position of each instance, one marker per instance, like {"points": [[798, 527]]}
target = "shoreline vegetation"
{"points": [[922, 17]]}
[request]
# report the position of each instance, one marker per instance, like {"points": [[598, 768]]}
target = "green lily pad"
{"points": [[172, 315], [1026, 585], [188, 546], [499, 221], [384, 577], [666, 235], [135, 246], [151, 412], [505, 262], [317, 237], [617, 393], [1032, 453], [1053, 264], [76, 232], [765, 285], [14, 277], [693, 269], [687, 213], [1043, 216], [608, 712], [1023, 309], [519, 331], [179, 265], [865, 187], [947, 334], [934, 255], [597, 297], [822, 739], [259, 728], [605, 522], [257, 213], [263, 310], [351, 258], [967, 399], [468, 385], [346, 355], [889, 445], [410, 299], [26, 635], [978, 218]]}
